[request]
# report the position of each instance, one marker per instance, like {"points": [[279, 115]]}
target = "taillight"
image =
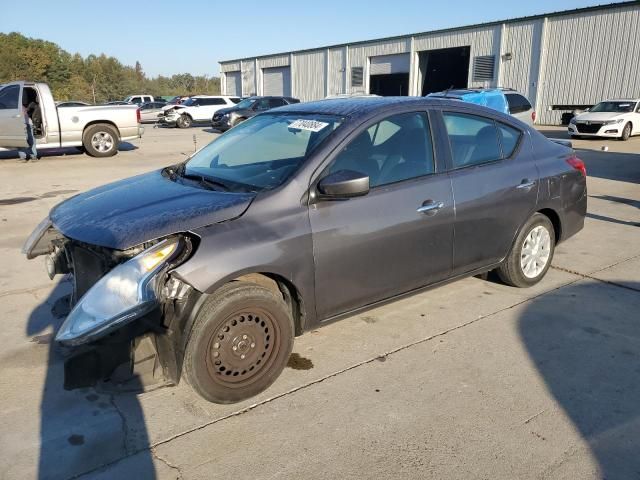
{"points": [[578, 164], [138, 115], [533, 116]]}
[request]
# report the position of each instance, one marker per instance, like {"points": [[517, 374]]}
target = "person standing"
{"points": [[30, 153]]}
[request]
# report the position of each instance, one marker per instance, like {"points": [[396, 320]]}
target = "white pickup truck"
{"points": [[97, 129]]}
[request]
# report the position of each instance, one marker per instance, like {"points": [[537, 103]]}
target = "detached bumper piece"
{"points": [[118, 358]]}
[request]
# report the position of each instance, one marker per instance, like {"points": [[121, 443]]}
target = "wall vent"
{"points": [[357, 76], [483, 68]]}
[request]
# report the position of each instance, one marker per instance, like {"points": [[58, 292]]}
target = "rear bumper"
{"points": [[574, 211]]}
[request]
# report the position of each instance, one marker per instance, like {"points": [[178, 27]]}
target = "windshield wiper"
{"points": [[205, 181]]}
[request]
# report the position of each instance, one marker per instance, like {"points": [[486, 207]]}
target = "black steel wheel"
{"points": [[240, 343]]}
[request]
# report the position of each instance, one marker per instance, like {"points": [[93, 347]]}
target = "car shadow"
{"points": [[584, 340], [49, 152], [81, 430], [127, 147]]}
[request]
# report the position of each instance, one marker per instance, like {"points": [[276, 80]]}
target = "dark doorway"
{"points": [[444, 68], [389, 85]]}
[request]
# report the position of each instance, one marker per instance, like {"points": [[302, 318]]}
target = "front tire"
{"points": [[101, 140], [240, 343], [184, 121], [626, 132], [531, 254]]}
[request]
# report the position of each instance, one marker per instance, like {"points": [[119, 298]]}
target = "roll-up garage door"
{"points": [[387, 64], [233, 84], [276, 81]]}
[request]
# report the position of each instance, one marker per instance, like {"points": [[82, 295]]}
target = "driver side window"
{"points": [[397, 148]]}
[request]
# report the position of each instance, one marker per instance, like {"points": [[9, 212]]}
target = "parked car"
{"points": [[296, 218], [618, 118], [196, 109], [72, 103], [98, 129], [139, 99], [225, 118], [151, 111], [505, 100]]}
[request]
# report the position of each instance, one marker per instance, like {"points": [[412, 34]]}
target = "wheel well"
{"points": [[280, 286], [555, 221], [101, 122]]}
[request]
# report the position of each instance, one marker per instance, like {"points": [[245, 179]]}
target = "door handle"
{"points": [[430, 208], [526, 184]]}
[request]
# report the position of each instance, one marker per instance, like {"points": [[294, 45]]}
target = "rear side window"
{"points": [[517, 103], [276, 102], [235, 100], [509, 138], [473, 140], [9, 97]]}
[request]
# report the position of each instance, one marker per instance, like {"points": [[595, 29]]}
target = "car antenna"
{"points": [[446, 92]]}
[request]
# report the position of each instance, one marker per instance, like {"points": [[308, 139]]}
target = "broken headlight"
{"points": [[122, 295]]}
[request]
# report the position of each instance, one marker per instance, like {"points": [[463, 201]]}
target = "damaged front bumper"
{"points": [[119, 299]]}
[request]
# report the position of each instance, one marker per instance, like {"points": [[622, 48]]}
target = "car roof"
{"points": [[360, 106], [621, 100]]}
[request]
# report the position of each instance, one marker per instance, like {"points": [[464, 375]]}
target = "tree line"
{"points": [[94, 79]]}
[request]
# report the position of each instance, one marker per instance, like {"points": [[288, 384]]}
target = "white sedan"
{"points": [[612, 118]]}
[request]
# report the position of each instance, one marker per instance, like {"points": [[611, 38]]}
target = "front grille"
{"points": [[592, 127]]}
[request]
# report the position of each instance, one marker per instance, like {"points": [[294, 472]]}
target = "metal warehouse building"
{"points": [[561, 61]]}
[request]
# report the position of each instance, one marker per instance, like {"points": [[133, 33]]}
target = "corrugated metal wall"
{"points": [[483, 41], [308, 72], [275, 61], [568, 59], [589, 57], [336, 73], [522, 42], [248, 78], [230, 66]]}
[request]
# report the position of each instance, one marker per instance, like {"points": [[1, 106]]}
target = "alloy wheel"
{"points": [[535, 252]]}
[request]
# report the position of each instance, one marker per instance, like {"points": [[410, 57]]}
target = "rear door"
{"points": [[495, 186], [396, 238], [12, 127]]}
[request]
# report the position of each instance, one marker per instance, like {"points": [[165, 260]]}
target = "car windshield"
{"points": [[246, 103], [617, 107], [189, 101], [263, 152]]}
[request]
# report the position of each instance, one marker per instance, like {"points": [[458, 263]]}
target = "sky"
{"points": [[192, 36]]}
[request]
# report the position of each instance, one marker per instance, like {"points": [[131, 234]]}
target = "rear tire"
{"points": [[101, 140], [184, 121], [626, 132], [531, 254], [240, 343]]}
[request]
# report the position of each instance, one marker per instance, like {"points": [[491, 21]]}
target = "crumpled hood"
{"points": [[126, 213], [598, 116]]}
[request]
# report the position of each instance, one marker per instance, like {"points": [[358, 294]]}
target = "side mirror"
{"points": [[344, 184]]}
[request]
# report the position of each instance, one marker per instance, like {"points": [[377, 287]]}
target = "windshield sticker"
{"points": [[311, 125]]}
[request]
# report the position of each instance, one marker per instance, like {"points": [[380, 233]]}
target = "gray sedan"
{"points": [[298, 217]]}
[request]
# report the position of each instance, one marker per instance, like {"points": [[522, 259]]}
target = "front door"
{"points": [[396, 238], [12, 127], [495, 186]]}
